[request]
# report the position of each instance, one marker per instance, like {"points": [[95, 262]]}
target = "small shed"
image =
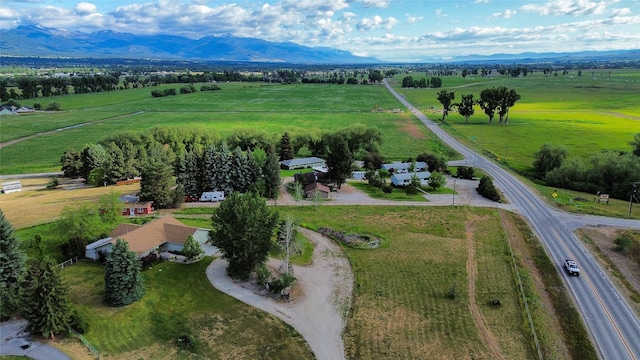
{"points": [[322, 190], [11, 186], [137, 208]]}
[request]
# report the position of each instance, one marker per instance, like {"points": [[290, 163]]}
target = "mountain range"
{"points": [[39, 41], [34, 40]]}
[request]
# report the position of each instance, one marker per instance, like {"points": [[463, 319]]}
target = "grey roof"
{"points": [[301, 161], [98, 243], [407, 176], [404, 165]]}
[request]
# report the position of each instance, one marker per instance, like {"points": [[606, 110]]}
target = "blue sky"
{"points": [[391, 30]]}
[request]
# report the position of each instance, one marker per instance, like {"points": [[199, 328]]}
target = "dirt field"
{"points": [[36, 205]]}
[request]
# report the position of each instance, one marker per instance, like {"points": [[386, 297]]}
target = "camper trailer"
{"points": [[212, 196]]}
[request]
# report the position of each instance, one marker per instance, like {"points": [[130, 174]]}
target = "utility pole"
{"points": [[634, 186]]}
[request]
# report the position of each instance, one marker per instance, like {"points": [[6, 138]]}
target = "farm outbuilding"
{"points": [[404, 179], [302, 163], [323, 190], [403, 167], [137, 208]]}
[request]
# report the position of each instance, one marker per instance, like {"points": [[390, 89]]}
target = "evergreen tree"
{"points": [[271, 173], [218, 167], [242, 228], [122, 280], [46, 304], [190, 174], [115, 166], [157, 183], [192, 248], [286, 149], [12, 268], [339, 160]]}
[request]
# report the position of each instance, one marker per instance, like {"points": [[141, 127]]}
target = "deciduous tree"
{"points": [[548, 158], [123, 283], [489, 102], [446, 99], [192, 248], [436, 180], [242, 228], [465, 107]]}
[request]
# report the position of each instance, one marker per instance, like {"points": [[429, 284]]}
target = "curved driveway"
{"points": [[615, 328]]}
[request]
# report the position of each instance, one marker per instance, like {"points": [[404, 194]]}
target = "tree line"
{"points": [[174, 162], [607, 172], [433, 82], [494, 100]]}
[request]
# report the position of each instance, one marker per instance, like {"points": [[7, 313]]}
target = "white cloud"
{"points": [[619, 12], [568, 7], [441, 14], [412, 19], [375, 22], [508, 13], [85, 8], [481, 1], [375, 3]]}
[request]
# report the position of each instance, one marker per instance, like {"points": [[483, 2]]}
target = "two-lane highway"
{"points": [[615, 328]]}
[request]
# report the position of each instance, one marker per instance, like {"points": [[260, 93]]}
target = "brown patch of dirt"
{"points": [[485, 334], [622, 268], [414, 130]]}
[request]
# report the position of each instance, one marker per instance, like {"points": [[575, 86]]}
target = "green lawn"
{"points": [[179, 300]]}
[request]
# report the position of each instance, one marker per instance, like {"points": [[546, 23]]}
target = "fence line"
{"points": [[66, 263], [524, 297], [86, 343]]}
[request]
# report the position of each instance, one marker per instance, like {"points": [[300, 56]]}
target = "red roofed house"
{"points": [[322, 190], [164, 234], [137, 208]]}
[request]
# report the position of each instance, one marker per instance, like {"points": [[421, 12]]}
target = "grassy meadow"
{"points": [[402, 308], [585, 114], [272, 109]]}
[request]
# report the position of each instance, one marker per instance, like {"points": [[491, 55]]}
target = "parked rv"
{"points": [[212, 196]]}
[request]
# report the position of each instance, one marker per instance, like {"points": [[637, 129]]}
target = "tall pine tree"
{"points": [[286, 149], [12, 268], [271, 175], [46, 305], [122, 279]]}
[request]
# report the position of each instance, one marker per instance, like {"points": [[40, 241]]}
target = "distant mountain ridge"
{"points": [[39, 41], [36, 40]]}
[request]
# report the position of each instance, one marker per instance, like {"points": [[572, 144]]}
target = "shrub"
{"points": [[150, 260], [53, 183], [78, 323], [74, 247], [281, 282], [157, 93], [54, 106], [622, 242], [171, 91], [263, 275], [487, 189], [37, 106], [187, 89], [465, 172], [210, 88], [387, 189]]}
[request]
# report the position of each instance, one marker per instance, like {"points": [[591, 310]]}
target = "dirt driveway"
{"points": [[320, 300]]}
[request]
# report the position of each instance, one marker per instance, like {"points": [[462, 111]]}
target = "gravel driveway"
{"points": [[318, 308]]}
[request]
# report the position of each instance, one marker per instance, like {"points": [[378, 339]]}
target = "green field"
{"points": [[585, 114], [271, 109]]}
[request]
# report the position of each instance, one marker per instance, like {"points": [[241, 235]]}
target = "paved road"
{"points": [[15, 341], [614, 327]]}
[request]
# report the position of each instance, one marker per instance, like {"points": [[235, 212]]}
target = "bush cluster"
{"points": [[165, 92], [487, 189]]}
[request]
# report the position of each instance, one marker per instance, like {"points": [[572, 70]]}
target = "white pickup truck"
{"points": [[572, 267]]}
